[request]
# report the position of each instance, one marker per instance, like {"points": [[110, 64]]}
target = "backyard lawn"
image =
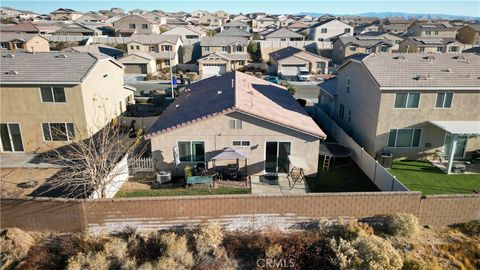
{"points": [[180, 192], [343, 179], [424, 177]]}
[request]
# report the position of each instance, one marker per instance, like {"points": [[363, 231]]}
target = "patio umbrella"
{"points": [[229, 153]]}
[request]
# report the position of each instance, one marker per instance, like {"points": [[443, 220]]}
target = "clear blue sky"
{"points": [[464, 8]]}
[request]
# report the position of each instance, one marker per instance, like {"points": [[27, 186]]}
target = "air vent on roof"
{"points": [[9, 55], [447, 70], [219, 92], [460, 57], [61, 56], [400, 57], [11, 72], [176, 106], [430, 57], [469, 76], [422, 77]]}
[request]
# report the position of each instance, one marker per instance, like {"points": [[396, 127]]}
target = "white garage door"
{"points": [[290, 70], [213, 70]]}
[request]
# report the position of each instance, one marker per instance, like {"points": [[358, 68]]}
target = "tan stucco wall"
{"points": [[464, 108], [468, 35], [340, 51], [134, 59], [101, 95], [216, 134], [38, 43], [23, 105]]}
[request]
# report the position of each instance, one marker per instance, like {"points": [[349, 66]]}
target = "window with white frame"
{"points": [[53, 94], [407, 100], [439, 49], [241, 143], [58, 131], [341, 111], [224, 48], [235, 124], [191, 151], [348, 85], [407, 137], [323, 30], [347, 30], [444, 100]]}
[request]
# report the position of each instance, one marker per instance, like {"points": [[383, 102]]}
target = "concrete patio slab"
{"points": [[23, 160], [282, 186]]}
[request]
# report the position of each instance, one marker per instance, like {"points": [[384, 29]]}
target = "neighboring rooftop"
{"points": [[236, 24], [6, 37], [222, 41], [451, 70], [235, 92], [284, 33], [292, 51], [234, 32], [364, 41], [21, 27], [46, 67], [154, 39], [432, 41], [96, 49], [436, 26]]}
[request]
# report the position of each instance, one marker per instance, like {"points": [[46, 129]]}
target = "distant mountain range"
{"points": [[399, 14]]}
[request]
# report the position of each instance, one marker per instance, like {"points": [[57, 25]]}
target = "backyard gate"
{"points": [[141, 165]]}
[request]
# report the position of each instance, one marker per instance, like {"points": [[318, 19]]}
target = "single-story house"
{"points": [[139, 63], [218, 63], [347, 46], [27, 42], [286, 61], [259, 118]]}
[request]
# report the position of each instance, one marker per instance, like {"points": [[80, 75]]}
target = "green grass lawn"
{"points": [[424, 177], [180, 192], [343, 179]]}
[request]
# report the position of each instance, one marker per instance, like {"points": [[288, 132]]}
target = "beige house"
{"points": [[258, 118], [287, 62], [211, 21], [135, 24], [423, 44], [347, 46], [222, 54], [411, 105], [27, 42], [79, 29], [469, 34], [187, 32], [165, 48], [72, 96], [65, 14], [139, 63], [329, 30], [440, 30]]}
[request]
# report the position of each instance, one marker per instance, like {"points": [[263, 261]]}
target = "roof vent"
{"points": [[219, 92], [430, 57], [9, 55], [469, 76], [400, 57], [447, 70], [176, 106], [422, 78], [61, 56], [460, 57], [11, 72]]}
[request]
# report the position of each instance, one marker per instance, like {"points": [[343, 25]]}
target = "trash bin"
{"points": [[386, 160]]}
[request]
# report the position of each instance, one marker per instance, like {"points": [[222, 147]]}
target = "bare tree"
{"points": [[90, 165]]}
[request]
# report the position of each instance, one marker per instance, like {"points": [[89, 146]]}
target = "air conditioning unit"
{"points": [[164, 177]]}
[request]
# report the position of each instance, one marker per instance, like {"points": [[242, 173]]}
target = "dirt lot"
{"points": [[11, 177]]}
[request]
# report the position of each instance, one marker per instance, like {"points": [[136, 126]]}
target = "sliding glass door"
{"points": [[276, 157], [460, 147], [11, 138]]}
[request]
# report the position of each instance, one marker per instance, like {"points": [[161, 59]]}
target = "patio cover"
{"points": [[459, 127], [230, 154]]}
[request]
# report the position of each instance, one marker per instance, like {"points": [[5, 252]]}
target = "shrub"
{"points": [[345, 253], [353, 229], [91, 260], [375, 253], [116, 250], [188, 171], [14, 246], [175, 252], [208, 238], [402, 224], [417, 264], [273, 251], [472, 228]]}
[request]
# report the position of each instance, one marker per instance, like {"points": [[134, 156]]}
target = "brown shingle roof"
{"points": [[21, 27], [235, 92]]}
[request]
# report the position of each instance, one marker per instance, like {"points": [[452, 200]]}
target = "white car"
{"points": [[303, 74]]}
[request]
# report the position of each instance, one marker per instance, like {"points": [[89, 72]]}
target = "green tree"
{"points": [[290, 87], [253, 50]]}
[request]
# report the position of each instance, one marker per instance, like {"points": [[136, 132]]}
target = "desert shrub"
{"points": [[208, 238], [402, 224], [14, 246], [375, 253], [129, 264], [353, 229], [116, 251], [175, 252], [144, 247], [417, 264], [273, 250], [90, 260], [345, 253], [472, 228]]}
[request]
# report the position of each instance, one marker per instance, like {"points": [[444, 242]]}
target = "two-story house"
{"points": [[49, 99], [263, 22], [411, 105], [329, 30], [164, 48], [65, 14], [135, 24], [439, 30], [222, 54], [424, 44], [347, 46], [287, 62], [237, 24], [211, 21], [469, 34]]}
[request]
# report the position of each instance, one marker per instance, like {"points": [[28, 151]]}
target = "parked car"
{"points": [[303, 74], [273, 79]]}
